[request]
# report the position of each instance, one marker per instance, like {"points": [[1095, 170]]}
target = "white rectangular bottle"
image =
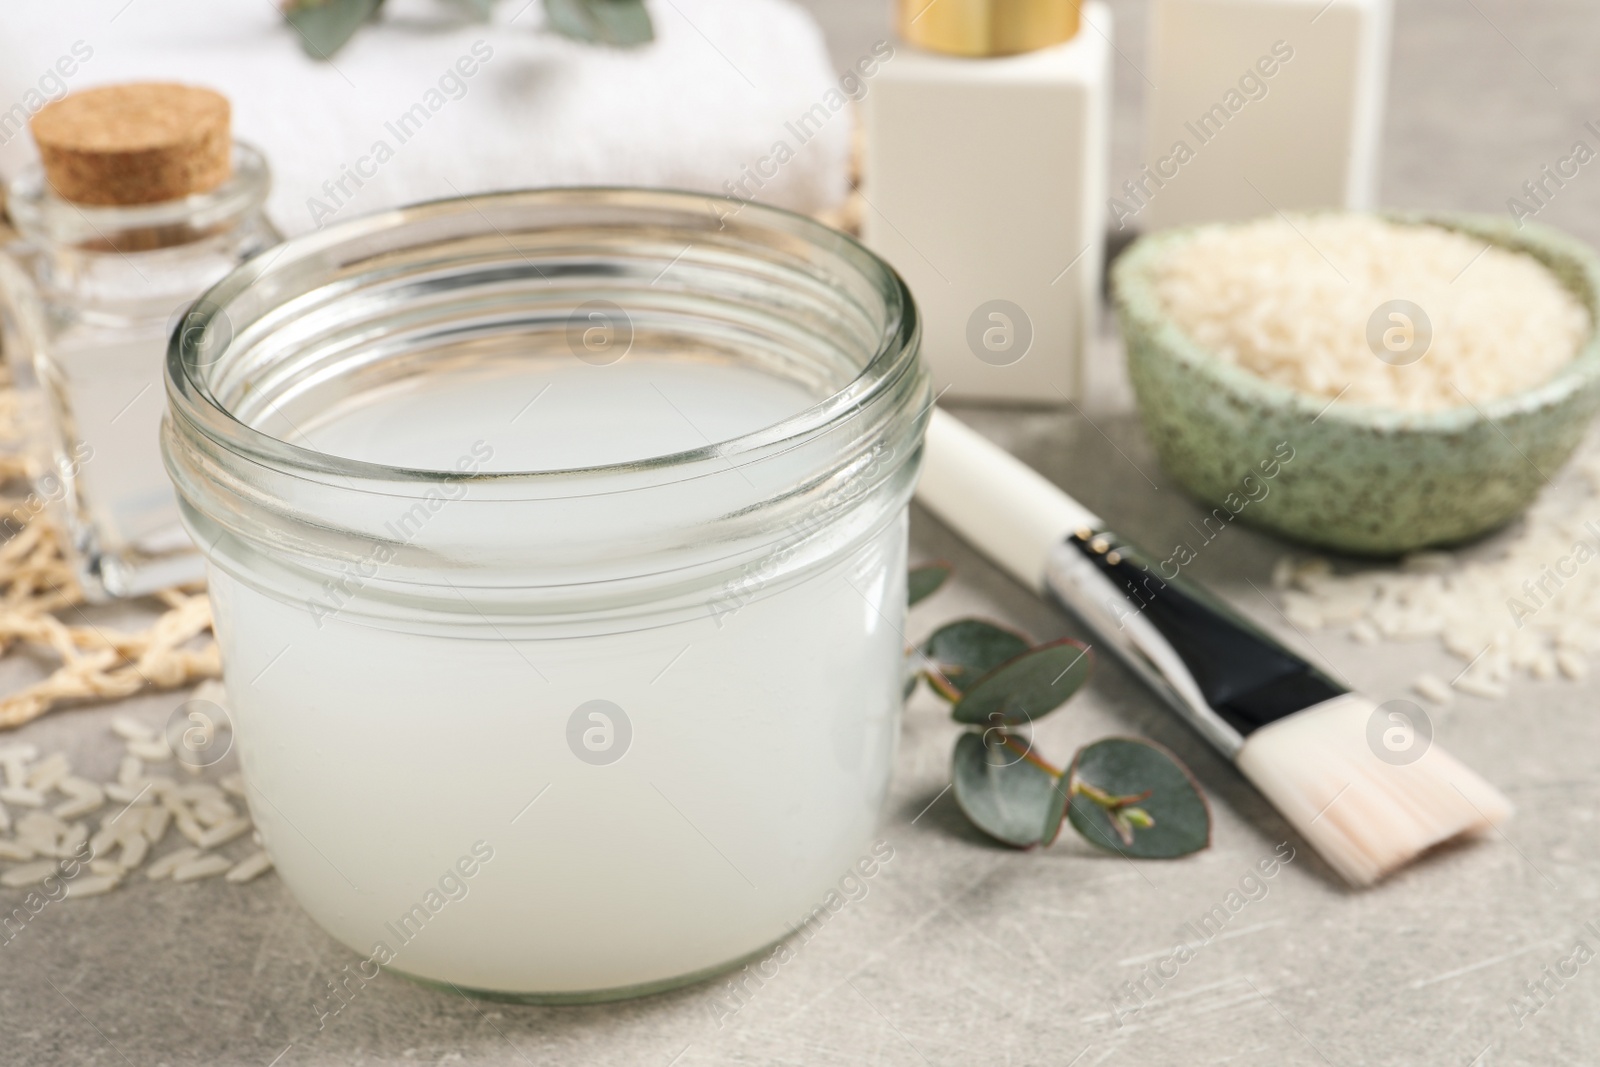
{"points": [[984, 177], [1258, 106]]}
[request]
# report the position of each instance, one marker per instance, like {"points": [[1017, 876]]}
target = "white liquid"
{"points": [[760, 750], [559, 417], [117, 399]]}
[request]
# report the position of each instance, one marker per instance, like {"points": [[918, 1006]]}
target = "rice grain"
{"points": [[92, 885], [130, 729], [28, 874], [203, 866], [250, 868], [163, 867], [15, 850]]}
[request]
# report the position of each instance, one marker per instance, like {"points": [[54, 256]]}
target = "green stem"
{"points": [[942, 685], [1106, 800], [1027, 753]]}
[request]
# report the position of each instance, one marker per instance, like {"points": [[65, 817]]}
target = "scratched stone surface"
{"points": [[957, 951]]}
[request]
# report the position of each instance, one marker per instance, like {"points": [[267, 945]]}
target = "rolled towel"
{"points": [[732, 97]]}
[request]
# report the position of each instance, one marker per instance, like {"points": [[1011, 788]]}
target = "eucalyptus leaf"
{"points": [[325, 25], [1000, 791], [1055, 811], [482, 10], [1028, 687], [623, 23], [962, 652], [1157, 809], [925, 580]]}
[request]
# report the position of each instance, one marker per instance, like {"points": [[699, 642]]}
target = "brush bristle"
{"points": [[1362, 814]]}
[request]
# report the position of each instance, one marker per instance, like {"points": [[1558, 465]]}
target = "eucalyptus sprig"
{"points": [[325, 25], [1122, 794]]}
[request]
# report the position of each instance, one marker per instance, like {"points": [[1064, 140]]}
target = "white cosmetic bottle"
{"points": [[1258, 106], [984, 177]]}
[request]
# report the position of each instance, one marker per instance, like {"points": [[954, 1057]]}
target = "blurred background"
{"points": [[1482, 93]]}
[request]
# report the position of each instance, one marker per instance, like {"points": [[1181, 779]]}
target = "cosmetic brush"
{"points": [[1306, 742]]}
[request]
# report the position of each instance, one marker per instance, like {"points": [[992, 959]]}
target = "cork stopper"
{"points": [[135, 144]]}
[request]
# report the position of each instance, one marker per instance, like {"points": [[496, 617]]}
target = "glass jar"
{"points": [[557, 721], [89, 296]]}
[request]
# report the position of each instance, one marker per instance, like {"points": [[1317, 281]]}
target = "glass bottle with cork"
{"points": [[140, 202]]}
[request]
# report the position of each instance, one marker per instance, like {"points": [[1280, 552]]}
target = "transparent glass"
{"points": [[90, 296], [557, 730]]}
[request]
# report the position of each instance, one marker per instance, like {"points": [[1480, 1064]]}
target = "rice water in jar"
{"points": [[557, 547]]}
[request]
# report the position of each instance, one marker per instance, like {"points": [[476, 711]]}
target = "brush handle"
{"points": [[1005, 508], [1219, 671]]}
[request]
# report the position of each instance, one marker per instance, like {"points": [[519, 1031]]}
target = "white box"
{"points": [[985, 182], [1303, 136]]}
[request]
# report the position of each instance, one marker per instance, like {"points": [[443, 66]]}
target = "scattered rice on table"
{"points": [[47, 833], [1525, 604]]}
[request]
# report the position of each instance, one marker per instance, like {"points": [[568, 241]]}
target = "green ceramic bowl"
{"points": [[1363, 480]]}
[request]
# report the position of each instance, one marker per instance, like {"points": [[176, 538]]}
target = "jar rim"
{"points": [[201, 339]]}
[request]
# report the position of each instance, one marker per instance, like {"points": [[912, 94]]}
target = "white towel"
{"points": [[706, 106]]}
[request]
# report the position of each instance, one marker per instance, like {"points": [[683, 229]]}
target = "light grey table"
{"points": [[961, 952]]}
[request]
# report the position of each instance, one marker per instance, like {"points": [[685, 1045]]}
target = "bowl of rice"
{"points": [[1368, 384]]}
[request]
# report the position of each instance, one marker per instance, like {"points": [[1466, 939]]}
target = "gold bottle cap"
{"points": [[135, 143], [987, 27]]}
